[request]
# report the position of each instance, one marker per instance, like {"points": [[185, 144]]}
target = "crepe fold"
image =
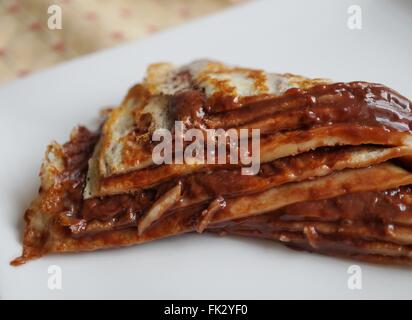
{"points": [[334, 173]]}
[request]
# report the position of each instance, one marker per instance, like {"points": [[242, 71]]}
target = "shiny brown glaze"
{"points": [[385, 206], [356, 102], [357, 112], [361, 112], [358, 99]]}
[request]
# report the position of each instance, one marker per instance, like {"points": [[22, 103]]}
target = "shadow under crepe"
{"points": [[276, 247]]}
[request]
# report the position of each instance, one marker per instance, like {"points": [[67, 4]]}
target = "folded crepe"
{"points": [[334, 172]]}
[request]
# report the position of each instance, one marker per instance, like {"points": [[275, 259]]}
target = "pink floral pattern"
{"points": [[27, 45]]}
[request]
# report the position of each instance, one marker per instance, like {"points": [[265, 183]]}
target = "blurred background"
{"points": [[28, 45]]}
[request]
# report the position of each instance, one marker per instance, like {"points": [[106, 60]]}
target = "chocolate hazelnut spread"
{"points": [[334, 176]]}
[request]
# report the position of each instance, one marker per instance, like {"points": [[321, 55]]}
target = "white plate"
{"points": [[304, 37]]}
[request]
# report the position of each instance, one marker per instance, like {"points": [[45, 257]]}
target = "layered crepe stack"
{"points": [[334, 168]]}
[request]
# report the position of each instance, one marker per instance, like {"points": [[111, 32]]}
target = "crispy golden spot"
{"points": [[305, 83], [137, 94], [156, 74], [260, 79]]}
